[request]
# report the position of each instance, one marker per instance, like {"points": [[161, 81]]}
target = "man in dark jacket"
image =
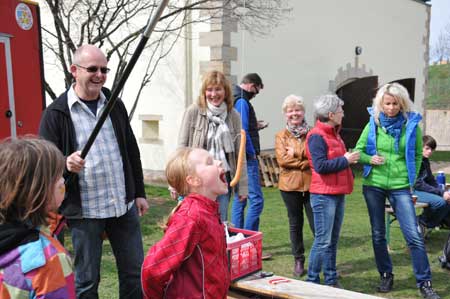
{"points": [[105, 191], [428, 191], [250, 86]]}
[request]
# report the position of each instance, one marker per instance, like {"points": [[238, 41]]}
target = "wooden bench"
{"points": [[289, 288], [389, 211]]}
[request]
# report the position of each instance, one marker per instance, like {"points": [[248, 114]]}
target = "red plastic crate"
{"points": [[244, 256]]}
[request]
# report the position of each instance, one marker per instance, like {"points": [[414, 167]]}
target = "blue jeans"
{"points": [[328, 213], [437, 209], [124, 234], [402, 204], [255, 200], [224, 200]]}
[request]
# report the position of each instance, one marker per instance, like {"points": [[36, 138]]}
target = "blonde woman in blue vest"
{"points": [[391, 151], [331, 180]]}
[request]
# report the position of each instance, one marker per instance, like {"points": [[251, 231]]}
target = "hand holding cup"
{"points": [[352, 156], [377, 159]]}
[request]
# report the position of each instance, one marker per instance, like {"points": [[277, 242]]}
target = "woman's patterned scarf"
{"points": [[219, 141], [298, 131], [393, 126]]}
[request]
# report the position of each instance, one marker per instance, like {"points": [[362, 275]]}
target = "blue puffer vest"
{"points": [[413, 120]]}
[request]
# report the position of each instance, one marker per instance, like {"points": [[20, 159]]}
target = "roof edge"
{"points": [[424, 2]]}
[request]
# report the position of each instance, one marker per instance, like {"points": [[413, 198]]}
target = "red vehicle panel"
{"points": [[21, 68]]}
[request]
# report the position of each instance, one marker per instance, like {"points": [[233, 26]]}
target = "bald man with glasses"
{"points": [[107, 194]]}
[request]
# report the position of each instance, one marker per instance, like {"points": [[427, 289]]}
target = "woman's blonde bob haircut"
{"points": [[291, 101], [399, 93], [30, 168], [215, 78]]}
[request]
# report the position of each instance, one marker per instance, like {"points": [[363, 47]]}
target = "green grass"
{"points": [[441, 156], [355, 261], [438, 87]]}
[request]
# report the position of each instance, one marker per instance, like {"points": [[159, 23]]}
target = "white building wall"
{"points": [[168, 95], [301, 56], [304, 54]]}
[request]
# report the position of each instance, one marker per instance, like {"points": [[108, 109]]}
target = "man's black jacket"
{"points": [[57, 126]]}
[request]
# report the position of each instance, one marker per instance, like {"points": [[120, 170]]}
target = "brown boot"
{"points": [[299, 267]]}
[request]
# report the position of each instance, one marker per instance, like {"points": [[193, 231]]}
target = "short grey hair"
{"points": [[325, 104], [292, 100]]}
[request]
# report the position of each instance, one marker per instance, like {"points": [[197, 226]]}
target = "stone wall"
{"points": [[437, 124]]}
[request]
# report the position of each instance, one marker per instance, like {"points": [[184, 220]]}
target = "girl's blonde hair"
{"points": [[30, 168], [399, 93], [177, 169], [215, 78]]}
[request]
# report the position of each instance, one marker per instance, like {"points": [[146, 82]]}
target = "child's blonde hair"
{"points": [[177, 169], [29, 168]]}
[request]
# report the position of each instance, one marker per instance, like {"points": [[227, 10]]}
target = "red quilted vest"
{"points": [[340, 182]]}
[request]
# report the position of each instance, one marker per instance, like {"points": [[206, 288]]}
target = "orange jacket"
{"points": [[295, 174]]}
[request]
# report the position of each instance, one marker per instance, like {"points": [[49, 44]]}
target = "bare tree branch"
{"points": [[441, 49], [115, 25]]}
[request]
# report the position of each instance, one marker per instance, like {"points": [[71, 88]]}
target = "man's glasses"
{"points": [[94, 69]]}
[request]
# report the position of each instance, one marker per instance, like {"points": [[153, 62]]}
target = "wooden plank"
{"points": [[294, 289], [266, 182], [271, 170], [234, 295], [275, 164], [418, 205]]}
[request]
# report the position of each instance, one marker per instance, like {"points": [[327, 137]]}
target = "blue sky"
{"points": [[440, 16]]}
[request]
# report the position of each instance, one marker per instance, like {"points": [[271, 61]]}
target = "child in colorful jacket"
{"points": [[33, 264], [191, 261]]}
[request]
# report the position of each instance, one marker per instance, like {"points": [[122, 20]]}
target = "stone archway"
{"points": [[348, 74], [356, 86]]}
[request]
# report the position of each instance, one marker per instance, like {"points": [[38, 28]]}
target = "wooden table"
{"points": [[293, 289]]}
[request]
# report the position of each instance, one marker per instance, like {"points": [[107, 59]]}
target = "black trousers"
{"points": [[295, 201]]}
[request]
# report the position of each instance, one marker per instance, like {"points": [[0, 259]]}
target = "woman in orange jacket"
{"points": [[295, 175]]}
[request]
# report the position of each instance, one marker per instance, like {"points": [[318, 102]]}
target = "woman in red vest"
{"points": [[331, 179]]}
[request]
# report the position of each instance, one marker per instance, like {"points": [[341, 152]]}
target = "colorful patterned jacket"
{"points": [[37, 267]]}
